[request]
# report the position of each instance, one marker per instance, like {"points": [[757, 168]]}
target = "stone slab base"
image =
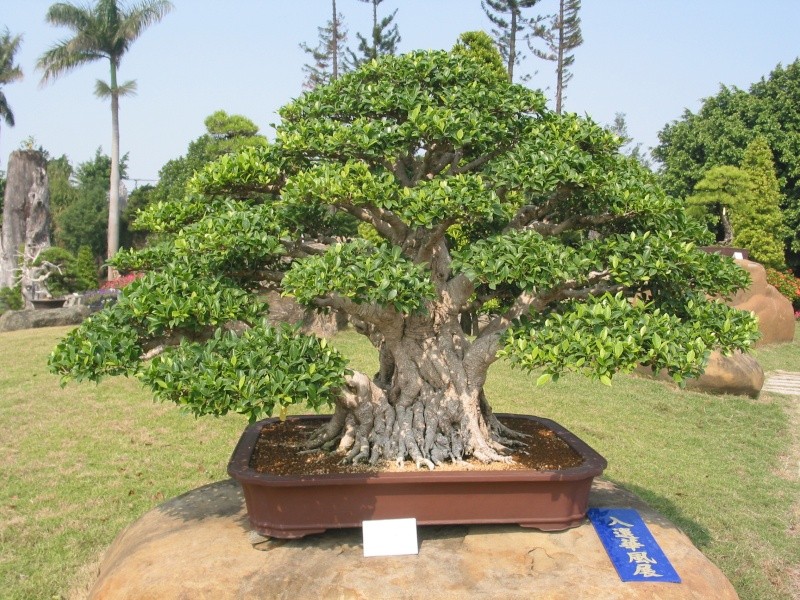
{"points": [[198, 546]]}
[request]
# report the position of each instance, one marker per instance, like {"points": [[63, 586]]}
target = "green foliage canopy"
{"points": [[592, 267]]}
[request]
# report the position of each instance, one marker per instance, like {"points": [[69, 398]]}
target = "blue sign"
{"points": [[631, 547]]}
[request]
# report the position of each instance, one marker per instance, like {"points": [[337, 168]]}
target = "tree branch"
{"points": [[574, 222], [432, 239], [369, 313], [399, 170], [529, 212], [478, 162], [385, 222]]}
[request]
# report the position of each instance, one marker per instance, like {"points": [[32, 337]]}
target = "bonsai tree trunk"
{"points": [[727, 227], [426, 402], [26, 212]]}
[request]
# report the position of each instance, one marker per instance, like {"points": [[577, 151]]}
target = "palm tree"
{"points": [[9, 72], [105, 30]]}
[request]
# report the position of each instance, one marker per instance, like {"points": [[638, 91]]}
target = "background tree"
{"points": [[9, 72], [132, 236], [225, 134], [721, 199], [561, 36], [628, 147], [73, 272], [479, 45], [103, 31], [83, 221], [63, 193], [510, 26], [762, 230], [725, 124], [590, 264], [382, 42], [327, 55]]}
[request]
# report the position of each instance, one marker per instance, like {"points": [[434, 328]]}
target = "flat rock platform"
{"points": [[198, 546]]}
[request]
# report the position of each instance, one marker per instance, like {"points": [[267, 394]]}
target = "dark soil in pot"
{"points": [[279, 451]]}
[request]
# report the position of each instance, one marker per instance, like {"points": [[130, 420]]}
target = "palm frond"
{"points": [[9, 45], [62, 58], [140, 16], [104, 30], [127, 89], [103, 90], [5, 111], [64, 14]]}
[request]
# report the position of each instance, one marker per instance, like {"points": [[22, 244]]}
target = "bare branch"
{"points": [[384, 221], [550, 229], [529, 212], [478, 162], [457, 155], [369, 313], [432, 239], [399, 170]]}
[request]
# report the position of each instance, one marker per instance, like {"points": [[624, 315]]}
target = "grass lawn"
{"points": [[80, 463]]}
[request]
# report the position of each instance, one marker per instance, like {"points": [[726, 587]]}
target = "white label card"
{"points": [[390, 537]]}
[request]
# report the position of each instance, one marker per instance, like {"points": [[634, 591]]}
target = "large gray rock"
{"points": [[14, 320], [26, 212], [196, 546]]}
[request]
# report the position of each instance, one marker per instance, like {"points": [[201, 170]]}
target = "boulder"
{"points": [[738, 374], [774, 311], [13, 320], [199, 546], [26, 212]]}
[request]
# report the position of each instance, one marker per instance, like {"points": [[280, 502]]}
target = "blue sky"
{"points": [[650, 59]]}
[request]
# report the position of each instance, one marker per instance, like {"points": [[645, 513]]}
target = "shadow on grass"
{"points": [[670, 511]]}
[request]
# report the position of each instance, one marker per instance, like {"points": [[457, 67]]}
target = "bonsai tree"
{"points": [[407, 193]]}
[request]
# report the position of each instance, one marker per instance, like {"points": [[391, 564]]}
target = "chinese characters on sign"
{"points": [[631, 547]]}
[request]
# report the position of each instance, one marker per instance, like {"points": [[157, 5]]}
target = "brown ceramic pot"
{"points": [[295, 506]]}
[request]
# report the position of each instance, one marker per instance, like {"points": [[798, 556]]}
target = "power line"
{"points": [[136, 180]]}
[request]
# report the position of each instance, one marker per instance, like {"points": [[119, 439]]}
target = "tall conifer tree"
{"points": [[761, 229], [561, 36], [383, 41], [509, 26], [327, 55]]}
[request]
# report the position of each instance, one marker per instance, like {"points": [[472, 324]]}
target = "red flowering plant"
{"points": [[120, 282], [788, 285], [108, 293]]}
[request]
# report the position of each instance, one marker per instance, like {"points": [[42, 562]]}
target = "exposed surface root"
{"points": [[428, 428]]}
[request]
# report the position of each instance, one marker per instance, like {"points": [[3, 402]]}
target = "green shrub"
{"points": [[10, 299]]}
